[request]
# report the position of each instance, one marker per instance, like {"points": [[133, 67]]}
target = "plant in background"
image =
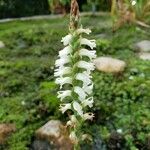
{"points": [[141, 9], [73, 74], [58, 6], [64, 2], [130, 11], [93, 3]]}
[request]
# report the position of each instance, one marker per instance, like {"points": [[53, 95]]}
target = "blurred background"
{"points": [[30, 35], [20, 8]]}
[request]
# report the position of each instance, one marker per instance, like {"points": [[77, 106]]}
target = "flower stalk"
{"points": [[73, 75]]}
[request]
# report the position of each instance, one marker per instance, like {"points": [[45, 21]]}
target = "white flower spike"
{"points": [[88, 102], [67, 39], [73, 121], [65, 107], [62, 61], [67, 50], [88, 116], [62, 81], [62, 71], [89, 66], [81, 94], [73, 137], [63, 94], [85, 52], [77, 107], [73, 75], [90, 43], [84, 77], [81, 30]]}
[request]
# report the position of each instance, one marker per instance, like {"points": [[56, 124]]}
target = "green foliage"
{"points": [[122, 100], [28, 93]]}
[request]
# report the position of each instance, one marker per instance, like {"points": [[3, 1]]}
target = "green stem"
{"points": [[76, 147]]}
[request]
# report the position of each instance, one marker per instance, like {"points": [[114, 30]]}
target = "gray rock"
{"points": [[2, 45], [109, 65], [144, 56], [143, 46], [50, 129], [102, 36], [56, 134], [40, 145]]}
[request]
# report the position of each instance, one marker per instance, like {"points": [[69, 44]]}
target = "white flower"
{"points": [[119, 130], [88, 102], [23, 103], [86, 136], [131, 78], [73, 120], [62, 81], [62, 61], [64, 94], [67, 39], [67, 50], [88, 89], [65, 107], [90, 43], [78, 90], [62, 71], [77, 107], [86, 65], [133, 2], [73, 137], [88, 116], [84, 77], [90, 54], [81, 30]]}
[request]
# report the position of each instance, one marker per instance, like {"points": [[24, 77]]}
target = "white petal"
{"points": [[84, 77], [62, 71], [64, 94], [67, 50], [65, 107], [88, 89], [73, 137], [67, 39], [90, 54], [62, 61], [86, 65], [90, 43], [77, 107], [88, 102], [88, 116], [73, 120], [81, 30], [78, 90], [62, 81]]}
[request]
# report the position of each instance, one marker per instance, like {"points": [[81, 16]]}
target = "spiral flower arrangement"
{"points": [[73, 74]]}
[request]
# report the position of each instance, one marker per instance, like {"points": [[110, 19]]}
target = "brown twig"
{"points": [[74, 15]]}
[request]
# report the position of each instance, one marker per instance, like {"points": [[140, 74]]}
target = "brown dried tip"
{"points": [[74, 14]]}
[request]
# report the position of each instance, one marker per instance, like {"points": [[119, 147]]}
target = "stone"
{"points": [[56, 134], [2, 45], [144, 56], [102, 36], [5, 131], [116, 141], [143, 46], [40, 145], [109, 65]]}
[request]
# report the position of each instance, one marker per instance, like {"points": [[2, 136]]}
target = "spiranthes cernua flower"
{"points": [[73, 73]]}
